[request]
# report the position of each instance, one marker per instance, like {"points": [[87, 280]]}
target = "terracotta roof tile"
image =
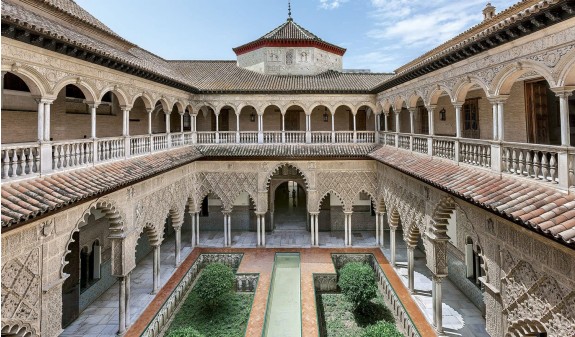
{"points": [[537, 207], [28, 199]]}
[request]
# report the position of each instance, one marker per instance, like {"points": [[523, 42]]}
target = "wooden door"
{"points": [[537, 112], [292, 120], [360, 121]]}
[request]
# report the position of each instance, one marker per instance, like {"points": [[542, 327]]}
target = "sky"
{"points": [[380, 35]]}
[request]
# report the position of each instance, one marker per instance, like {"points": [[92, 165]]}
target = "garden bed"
{"points": [[228, 320]]}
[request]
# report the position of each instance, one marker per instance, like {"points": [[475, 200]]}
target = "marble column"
{"points": [[128, 290], [178, 244], [156, 269], [354, 129], [381, 230], [238, 139], [410, 269], [564, 115], [93, 108], [197, 228], [122, 304], [392, 244], [264, 229], [458, 107], [259, 229], [377, 214], [312, 230], [437, 306], [193, 238], [500, 121], [40, 120]]}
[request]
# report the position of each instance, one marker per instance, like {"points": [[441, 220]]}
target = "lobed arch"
{"points": [[395, 219], [145, 98], [435, 93], [115, 219], [118, 92], [253, 198], [34, 80], [17, 329], [461, 89], [276, 168], [205, 193], [155, 237], [504, 80], [331, 192], [412, 234], [440, 216], [86, 89], [525, 327]]}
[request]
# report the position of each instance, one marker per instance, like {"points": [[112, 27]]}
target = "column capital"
{"points": [[314, 213], [347, 212], [431, 107], [93, 104], [412, 110], [125, 107], [150, 110], [457, 105], [44, 100], [563, 92], [438, 278], [260, 213], [498, 99]]}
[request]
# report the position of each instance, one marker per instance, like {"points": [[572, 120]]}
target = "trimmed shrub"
{"points": [[215, 283], [357, 283], [184, 332], [382, 329]]}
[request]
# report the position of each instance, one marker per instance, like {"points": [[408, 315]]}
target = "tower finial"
{"points": [[289, 10]]}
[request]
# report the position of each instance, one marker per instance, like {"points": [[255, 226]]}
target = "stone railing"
{"points": [[325, 282], [246, 283], [71, 154], [544, 163], [403, 320], [160, 321], [110, 148], [20, 160]]}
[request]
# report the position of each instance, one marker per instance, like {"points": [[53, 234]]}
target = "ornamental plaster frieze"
{"points": [[51, 71], [548, 56]]}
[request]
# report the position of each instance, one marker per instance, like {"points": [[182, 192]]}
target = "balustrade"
{"points": [[139, 145], [248, 137], [444, 148], [72, 153], [404, 142], [389, 139], [206, 137], [365, 136], [531, 161], [177, 139], [227, 137], [20, 160], [295, 136], [420, 144], [160, 142], [272, 137], [110, 148], [343, 137], [321, 137], [475, 152], [571, 170], [188, 138]]}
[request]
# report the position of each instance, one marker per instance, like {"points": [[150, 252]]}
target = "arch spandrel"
{"points": [[504, 80], [118, 92], [88, 91], [34, 80]]}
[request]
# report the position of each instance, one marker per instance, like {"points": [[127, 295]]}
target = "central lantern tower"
{"points": [[289, 49]]}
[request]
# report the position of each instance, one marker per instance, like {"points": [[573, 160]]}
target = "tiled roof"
{"points": [[32, 198], [538, 208], [134, 56], [289, 31], [71, 8], [222, 76], [287, 150]]}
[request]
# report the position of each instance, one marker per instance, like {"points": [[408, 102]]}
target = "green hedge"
{"points": [[358, 285], [381, 329], [215, 284]]}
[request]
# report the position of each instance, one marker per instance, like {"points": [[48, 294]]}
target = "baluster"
{"points": [[34, 156], [507, 159], [521, 163], [536, 165], [544, 166], [553, 168], [15, 164], [529, 163], [26, 154], [5, 164]]}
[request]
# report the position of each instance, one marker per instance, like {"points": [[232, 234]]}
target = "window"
{"points": [[470, 111]]}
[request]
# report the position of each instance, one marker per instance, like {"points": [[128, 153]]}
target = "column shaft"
{"points": [[150, 122], [259, 228], [122, 309], [263, 229], [230, 230], [156, 269], [40, 120], [564, 119], [410, 269], [197, 229], [47, 124], [500, 122], [377, 228], [178, 245], [437, 301], [168, 127], [312, 230], [193, 240], [225, 230], [345, 227], [392, 244], [128, 290], [495, 119], [93, 120], [457, 120]]}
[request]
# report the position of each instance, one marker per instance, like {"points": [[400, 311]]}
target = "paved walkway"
{"points": [[101, 317], [460, 316]]}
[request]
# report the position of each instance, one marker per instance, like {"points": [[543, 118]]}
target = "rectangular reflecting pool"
{"points": [[283, 313]]}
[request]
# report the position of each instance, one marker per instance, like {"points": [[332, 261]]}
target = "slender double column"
{"points": [[437, 307], [195, 229], [227, 229], [392, 243], [314, 228], [379, 228], [178, 230], [410, 269], [124, 311], [347, 226], [156, 269], [261, 228]]}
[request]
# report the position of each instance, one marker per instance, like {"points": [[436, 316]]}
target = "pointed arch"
{"points": [[277, 167], [111, 212], [331, 192], [17, 328]]}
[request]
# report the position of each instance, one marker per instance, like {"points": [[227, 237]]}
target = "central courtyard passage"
{"points": [[261, 261], [283, 315]]}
